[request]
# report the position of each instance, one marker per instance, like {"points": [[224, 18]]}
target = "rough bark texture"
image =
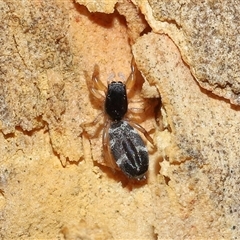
{"points": [[54, 180], [207, 34]]}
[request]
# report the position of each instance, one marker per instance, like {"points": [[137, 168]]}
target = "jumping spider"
{"points": [[121, 142]]}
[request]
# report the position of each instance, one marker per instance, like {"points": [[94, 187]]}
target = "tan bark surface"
{"points": [[54, 181]]}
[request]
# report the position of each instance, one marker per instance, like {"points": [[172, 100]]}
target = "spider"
{"points": [[123, 147]]}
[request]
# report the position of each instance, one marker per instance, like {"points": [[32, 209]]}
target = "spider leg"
{"points": [[96, 79], [106, 146], [136, 110], [139, 106], [94, 122], [95, 85], [132, 78], [97, 95]]}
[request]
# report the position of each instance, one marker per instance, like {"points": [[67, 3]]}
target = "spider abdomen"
{"points": [[128, 149]]}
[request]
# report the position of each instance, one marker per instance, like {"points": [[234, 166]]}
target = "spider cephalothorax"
{"points": [[116, 103]]}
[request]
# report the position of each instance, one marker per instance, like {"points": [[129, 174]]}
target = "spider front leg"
{"points": [[132, 77], [95, 85], [131, 81]]}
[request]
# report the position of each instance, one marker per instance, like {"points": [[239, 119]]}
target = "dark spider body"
{"points": [[126, 145], [128, 149], [116, 103]]}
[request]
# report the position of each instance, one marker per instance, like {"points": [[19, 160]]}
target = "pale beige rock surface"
{"points": [[54, 183]]}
